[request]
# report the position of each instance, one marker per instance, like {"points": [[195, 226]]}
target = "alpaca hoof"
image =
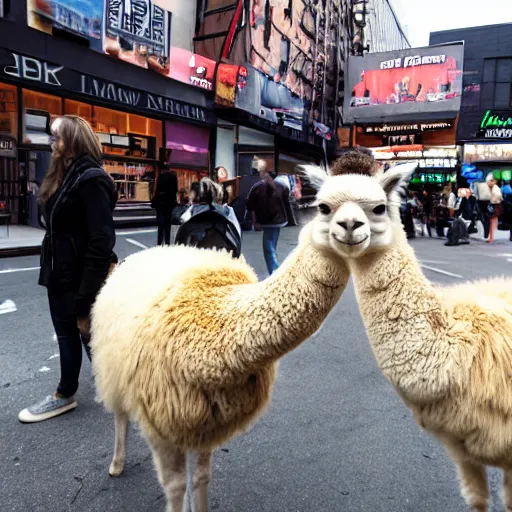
{"points": [[115, 469]]}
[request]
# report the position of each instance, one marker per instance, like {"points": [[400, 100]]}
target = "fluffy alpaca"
{"points": [[446, 350], [185, 342]]}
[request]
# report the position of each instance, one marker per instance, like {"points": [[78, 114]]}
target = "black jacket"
{"points": [[80, 236], [165, 197], [269, 201]]}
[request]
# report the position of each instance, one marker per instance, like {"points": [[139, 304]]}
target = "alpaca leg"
{"points": [[171, 467], [507, 490], [200, 481], [473, 477], [121, 425], [474, 488]]}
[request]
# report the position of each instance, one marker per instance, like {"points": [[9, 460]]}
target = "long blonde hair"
{"points": [[77, 139]]}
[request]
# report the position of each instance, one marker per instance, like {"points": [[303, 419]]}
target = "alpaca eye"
{"points": [[323, 208], [379, 210]]}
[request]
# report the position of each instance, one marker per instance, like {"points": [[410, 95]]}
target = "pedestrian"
{"points": [[507, 206], [77, 198], [219, 177], [494, 208], [164, 201], [268, 203]]}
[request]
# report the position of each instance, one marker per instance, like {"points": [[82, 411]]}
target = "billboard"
{"points": [[134, 31], [278, 68], [407, 85]]}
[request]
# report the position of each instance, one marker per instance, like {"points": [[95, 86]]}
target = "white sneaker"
{"points": [[46, 409]]}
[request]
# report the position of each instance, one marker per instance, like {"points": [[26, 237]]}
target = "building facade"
{"points": [[128, 68], [485, 123]]}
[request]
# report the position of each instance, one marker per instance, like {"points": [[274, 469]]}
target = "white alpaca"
{"points": [[446, 350], [185, 342]]}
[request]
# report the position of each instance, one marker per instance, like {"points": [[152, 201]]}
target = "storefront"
{"points": [[490, 151], [436, 166], [417, 92], [134, 127]]}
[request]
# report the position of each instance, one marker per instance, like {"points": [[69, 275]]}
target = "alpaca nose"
{"points": [[351, 225]]}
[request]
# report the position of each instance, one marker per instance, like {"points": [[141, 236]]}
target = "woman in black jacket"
{"points": [[77, 199]]}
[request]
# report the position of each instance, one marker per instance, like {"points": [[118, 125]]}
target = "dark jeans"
{"points": [[70, 342], [484, 217], [270, 238], [163, 217]]}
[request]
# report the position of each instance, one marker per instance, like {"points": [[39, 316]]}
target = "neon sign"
{"points": [[496, 126]]}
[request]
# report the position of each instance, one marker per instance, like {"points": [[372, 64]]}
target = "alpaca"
{"points": [[186, 341], [446, 350]]}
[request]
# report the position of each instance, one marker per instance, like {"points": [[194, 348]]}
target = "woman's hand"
{"points": [[84, 326]]}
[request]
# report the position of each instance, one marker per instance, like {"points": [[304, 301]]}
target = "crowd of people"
{"points": [[456, 212]]}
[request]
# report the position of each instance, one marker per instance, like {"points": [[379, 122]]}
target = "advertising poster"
{"points": [[82, 18], [134, 31], [277, 65], [414, 84]]}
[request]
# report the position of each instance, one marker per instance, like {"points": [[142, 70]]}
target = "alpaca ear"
{"points": [[397, 178], [315, 174]]}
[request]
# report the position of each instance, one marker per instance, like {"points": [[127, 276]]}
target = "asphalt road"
{"points": [[336, 437]]}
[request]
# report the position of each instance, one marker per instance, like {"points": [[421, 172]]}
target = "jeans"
{"points": [[270, 238], [163, 217], [70, 342], [484, 217]]}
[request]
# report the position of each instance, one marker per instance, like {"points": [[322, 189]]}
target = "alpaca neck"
{"points": [[284, 310], [405, 320]]}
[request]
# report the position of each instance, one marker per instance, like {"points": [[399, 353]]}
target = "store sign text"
{"points": [[415, 60], [496, 126], [28, 68], [108, 91], [404, 128]]}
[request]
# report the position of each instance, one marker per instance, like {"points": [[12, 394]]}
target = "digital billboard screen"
{"points": [[407, 85]]}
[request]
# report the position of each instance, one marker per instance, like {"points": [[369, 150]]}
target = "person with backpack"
{"points": [[268, 203], [164, 201], [77, 199], [208, 225]]}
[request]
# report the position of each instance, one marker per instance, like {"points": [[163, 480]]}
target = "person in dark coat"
{"points": [[164, 201], [268, 202], [77, 198]]}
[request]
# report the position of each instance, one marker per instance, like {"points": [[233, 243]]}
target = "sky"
{"points": [[421, 17]]}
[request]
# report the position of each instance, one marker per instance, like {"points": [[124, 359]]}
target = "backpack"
{"points": [[458, 233], [210, 227]]}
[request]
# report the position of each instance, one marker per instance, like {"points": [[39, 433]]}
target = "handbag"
{"points": [[491, 210]]}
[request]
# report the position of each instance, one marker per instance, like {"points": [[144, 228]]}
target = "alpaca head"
{"points": [[357, 212]]}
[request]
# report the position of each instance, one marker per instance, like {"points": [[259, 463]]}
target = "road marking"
{"points": [[136, 243], [140, 232], [53, 357], [433, 262], [439, 271], [8, 306], [44, 369], [11, 270]]}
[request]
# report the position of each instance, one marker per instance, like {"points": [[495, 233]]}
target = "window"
{"points": [[497, 83], [8, 110], [36, 124]]}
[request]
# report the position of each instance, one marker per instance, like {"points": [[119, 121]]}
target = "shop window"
{"points": [[187, 177], [120, 123], [8, 110], [245, 162], [77, 108], [40, 110]]}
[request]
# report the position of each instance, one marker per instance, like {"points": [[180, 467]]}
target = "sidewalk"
{"points": [[22, 241]]}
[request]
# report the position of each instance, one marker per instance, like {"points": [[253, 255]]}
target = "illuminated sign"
{"points": [[495, 125], [431, 154], [407, 128], [487, 153]]}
